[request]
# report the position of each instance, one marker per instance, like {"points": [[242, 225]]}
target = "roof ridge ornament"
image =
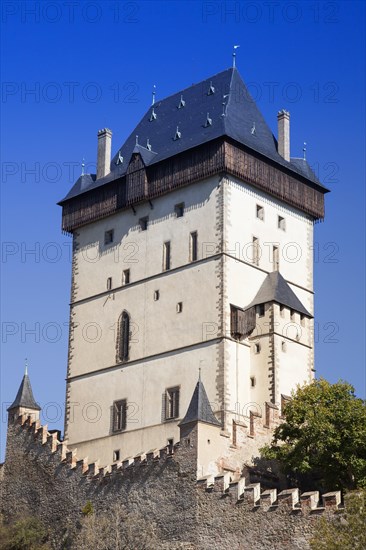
{"points": [[153, 95], [153, 115], [83, 167], [234, 54], [26, 367], [304, 151]]}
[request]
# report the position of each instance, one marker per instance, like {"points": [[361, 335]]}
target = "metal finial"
{"points": [[304, 151], [234, 55], [137, 140], [83, 167], [26, 367], [199, 374], [153, 95]]}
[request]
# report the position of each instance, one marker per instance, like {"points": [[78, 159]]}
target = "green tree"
{"points": [[24, 534], [346, 531], [324, 435]]}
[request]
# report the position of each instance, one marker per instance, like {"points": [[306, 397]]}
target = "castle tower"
{"points": [[24, 402], [192, 248]]}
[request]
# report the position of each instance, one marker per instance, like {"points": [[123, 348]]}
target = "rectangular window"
{"points": [[260, 310], [282, 310], [179, 307], [126, 277], [255, 251], [193, 252], [292, 315], [260, 212], [109, 283], [116, 455], [252, 382], [119, 415], [302, 319], [276, 258], [281, 223], [144, 223], [171, 403], [179, 210], [109, 236], [156, 295], [166, 256]]}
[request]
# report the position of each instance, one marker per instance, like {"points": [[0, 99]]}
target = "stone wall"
{"points": [[41, 477]]}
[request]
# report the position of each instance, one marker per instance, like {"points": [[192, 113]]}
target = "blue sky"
{"points": [[68, 70]]}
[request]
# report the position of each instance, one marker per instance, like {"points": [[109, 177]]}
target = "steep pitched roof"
{"points": [[275, 289], [218, 106], [199, 409], [24, 397]]}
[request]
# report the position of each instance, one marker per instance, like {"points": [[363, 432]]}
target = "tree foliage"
{"points": [[346, 531], [26, 533], [324, 435]]}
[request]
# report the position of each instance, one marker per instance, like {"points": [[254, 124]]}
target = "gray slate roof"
{"points": [[241, 115], [199, 408], [24, 397], [275, 289]]}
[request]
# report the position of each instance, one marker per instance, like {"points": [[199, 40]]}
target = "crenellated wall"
{"points": [[42, 477]]}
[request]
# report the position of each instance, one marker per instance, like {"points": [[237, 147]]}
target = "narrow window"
{"points": [[281, 223], [193, 246], [234, 433], [156, 295], [109, 283], [302, 319], [126, 277], [276, 258], [283, 345], [292, 315], [124, 337], [257, 348], [179, 307], [260, 310], [260, 212], [109, 236], [282, 310], [116, 455], [252, 381], [255, 251], [179, 210], [119, 415], [170, 443], [144, 223], [166, 256], [171, 403]]}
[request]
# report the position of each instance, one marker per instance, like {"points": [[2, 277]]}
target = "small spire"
{"points": [[83, 167], [234, 55], [153, 95], [304, 151], [26, 367]]}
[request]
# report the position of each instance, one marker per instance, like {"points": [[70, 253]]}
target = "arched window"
{"points": [[123, 337]]}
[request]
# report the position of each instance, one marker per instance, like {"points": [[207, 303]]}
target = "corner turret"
{"points": [[24, 402]]}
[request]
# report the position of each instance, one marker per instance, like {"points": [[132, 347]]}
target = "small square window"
{"points": [[126, 277], [116, 455], [281, 223], [252, 381], [144, 223], [156, 295], [179, 210], [109, 236], [171, 403], [179, 307], [260, 212], [109, 283], [260, 310]]}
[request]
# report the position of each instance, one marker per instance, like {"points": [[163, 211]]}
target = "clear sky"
{"points": [[71, 68]]}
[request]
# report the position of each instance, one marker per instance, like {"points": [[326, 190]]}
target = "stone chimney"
{"points": [[283, 119], [104, 152]]}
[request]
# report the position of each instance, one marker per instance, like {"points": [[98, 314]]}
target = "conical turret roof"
{"points": [[199, 409], [24, 397]]}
